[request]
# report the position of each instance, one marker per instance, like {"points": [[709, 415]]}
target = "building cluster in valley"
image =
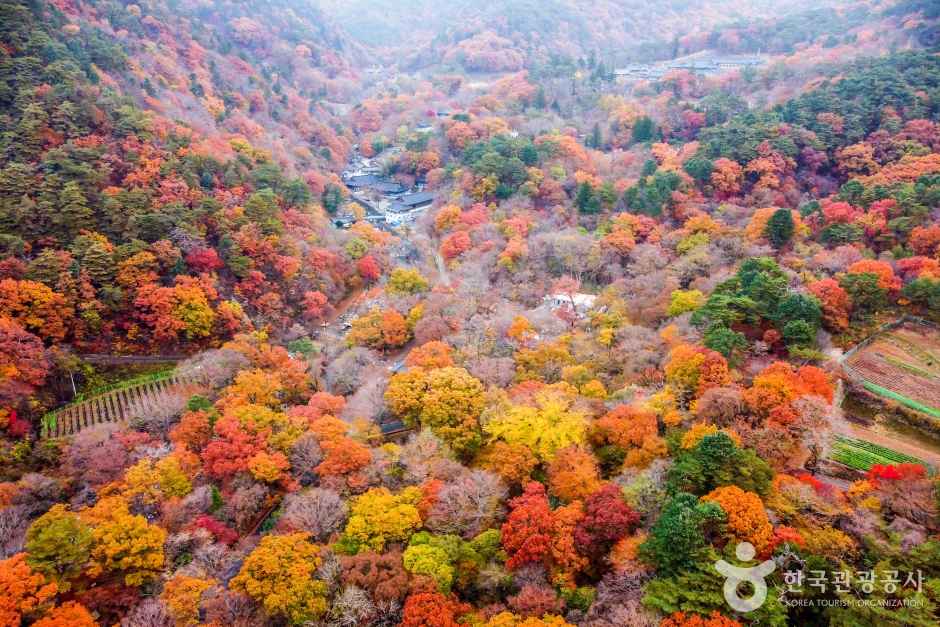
{"points": [[386, 202], [698, 65]]}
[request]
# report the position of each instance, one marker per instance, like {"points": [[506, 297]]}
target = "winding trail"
{"points": [[442, 274], [344, 305]]}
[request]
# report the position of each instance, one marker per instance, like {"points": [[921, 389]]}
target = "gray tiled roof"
{"points": [[420, 198]]}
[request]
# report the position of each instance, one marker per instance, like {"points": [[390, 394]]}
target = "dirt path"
{"points": [[343, 306], [443, 276]]}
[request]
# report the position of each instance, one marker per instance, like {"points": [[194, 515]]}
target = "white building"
{"points": [[581, 303]]}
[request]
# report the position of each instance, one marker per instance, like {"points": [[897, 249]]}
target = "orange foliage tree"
{"points": [[193, 431], [69, 614], [24, 592], [36, 308], [726, 177], [747, 518], [379, 329], [455, 245], [778, 385], [573, 474], [564, 560], [341, 454], [432, 609], [182, 595], [834, 302], [632, 430], [885, 273], [925, 240], [681, 619], [514, 462], [691, 370], [231, 449], [433, 354]]}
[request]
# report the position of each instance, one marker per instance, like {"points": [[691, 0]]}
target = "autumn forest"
{"points": [[510, 314]]}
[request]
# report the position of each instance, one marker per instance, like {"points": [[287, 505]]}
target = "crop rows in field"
{"points": [[862, 455], [906, 362]]}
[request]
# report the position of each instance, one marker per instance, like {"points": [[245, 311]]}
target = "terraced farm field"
{"points": [[902, 364], [119, 403]]}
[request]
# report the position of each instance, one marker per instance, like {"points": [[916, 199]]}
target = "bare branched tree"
{"points": [[318, 511]]}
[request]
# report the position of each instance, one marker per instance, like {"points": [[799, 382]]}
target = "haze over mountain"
{"points": [[506, 314], [420, 32]]}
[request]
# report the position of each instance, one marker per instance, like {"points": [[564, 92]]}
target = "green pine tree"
{"points": [[262, 208], [780, 228], [596, 139], [74, 213], [98, 262], [540, 101], [586, 200], [45, 268], [29, 130]]}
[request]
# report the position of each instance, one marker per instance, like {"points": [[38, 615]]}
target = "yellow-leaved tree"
{"points": [[378, 517], [448, 400], [58, 545], [124, 543], [279, 574], [551, 424], [406, 281], [158, 480], [182, 595]]}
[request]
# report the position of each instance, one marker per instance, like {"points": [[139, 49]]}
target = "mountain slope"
{"points": [[481, 37], [271, 71]]}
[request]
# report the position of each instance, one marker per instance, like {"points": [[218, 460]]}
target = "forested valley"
{"points": [[532, 314]]}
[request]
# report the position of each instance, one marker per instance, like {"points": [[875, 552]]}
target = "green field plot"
{"points": [[862, 455]]}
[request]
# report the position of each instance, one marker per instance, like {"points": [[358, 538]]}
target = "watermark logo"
{"points": [[736, 575]]}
